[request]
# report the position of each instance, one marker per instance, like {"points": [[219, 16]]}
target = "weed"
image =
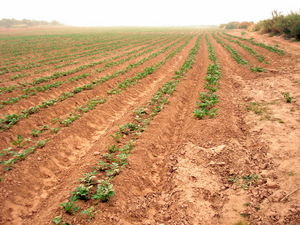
{"points": [[257, 108], [291, 173], [247, 204], [245, 214], [288, 98], [240, 223], [245, 181]]}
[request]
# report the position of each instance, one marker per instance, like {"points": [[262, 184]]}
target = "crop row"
{"points": [[258, 56], [109, 63], [121, 85], [103, 47], [86, 107], [236, 56], [59, 45], [208, 99], [42, 79], [12, 119], [96, 185], [250, 40]]}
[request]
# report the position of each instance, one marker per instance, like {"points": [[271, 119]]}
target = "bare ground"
{"points": [[241, 167]]}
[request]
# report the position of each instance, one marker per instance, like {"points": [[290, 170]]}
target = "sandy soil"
{"points": [[241, 167]]}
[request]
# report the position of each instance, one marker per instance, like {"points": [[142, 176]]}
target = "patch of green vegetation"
{"points": [[287, 96], [257, 69], [257, 108], [70, 207], [80, 193], [104, 192], [89, 212], [244, 182], [291, 173], [207, 100], [69, 120], [91, 104], [245, 214]]}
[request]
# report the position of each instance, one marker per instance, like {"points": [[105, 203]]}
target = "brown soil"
{"points": [[240, 167]]}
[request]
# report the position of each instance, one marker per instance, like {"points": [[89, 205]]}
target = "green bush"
{"points": [[288, 25]]}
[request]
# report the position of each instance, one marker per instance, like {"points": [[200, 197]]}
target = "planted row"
{"points": [[96, 185], [147, 71], [236, 56], [34, 90], [91, 104], [17, 68], [251, 40], [258, 56], [208, 99], [12, 119]]}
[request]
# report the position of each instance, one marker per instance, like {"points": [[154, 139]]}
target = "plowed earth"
{"points": [[239, 167]]}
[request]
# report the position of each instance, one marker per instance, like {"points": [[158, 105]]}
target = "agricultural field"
{"points": [[155, 126]]}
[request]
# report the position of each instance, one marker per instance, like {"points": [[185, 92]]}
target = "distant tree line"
{"points": [[288, 25], [26, 23]]}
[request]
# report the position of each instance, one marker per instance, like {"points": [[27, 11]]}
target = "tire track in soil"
{"points": [[62, 109], [45, 174]]}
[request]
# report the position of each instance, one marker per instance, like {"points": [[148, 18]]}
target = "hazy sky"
{"points": [[144, 13]]}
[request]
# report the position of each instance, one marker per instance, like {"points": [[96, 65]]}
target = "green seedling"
{"points": [[113, 170], [19, 141], [89, 212], [117, 136], [70, 207], [88, 178], [257, 69], [57, 220], [104, 192], [81, 193], [128, 127]]}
